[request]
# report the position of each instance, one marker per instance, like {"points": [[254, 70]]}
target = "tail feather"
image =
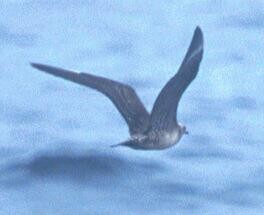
{"points": [[125, 143], [116, 145]]}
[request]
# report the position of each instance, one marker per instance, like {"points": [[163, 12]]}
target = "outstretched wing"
{"points": [[123, 96], [165, 107]]}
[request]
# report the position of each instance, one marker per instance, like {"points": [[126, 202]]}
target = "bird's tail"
{"points": [[125, 143]]}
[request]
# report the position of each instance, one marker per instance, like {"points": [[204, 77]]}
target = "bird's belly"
{"points": [[155, 140], [170, 138], [161, 141]]}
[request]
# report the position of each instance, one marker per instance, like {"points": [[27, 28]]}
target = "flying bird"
{"points": [[159, 129]]}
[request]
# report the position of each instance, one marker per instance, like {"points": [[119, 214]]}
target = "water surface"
{"points": [[55, 136]]}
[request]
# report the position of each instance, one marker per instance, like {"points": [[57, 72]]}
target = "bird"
{"points": [[158, 129]]}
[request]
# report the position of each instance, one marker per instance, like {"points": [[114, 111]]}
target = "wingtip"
{"points": [[35, 65], [45, 68], [32, 64], [198, 29], [198, 34]]}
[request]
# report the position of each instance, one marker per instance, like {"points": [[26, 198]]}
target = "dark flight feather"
{"points": [[164, 112], [123, 96]]}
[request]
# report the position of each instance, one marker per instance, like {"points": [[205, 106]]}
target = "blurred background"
{"points": [[55, 135]]}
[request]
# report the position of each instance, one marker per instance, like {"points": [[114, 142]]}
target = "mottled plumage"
{"points": [[157, 130]]}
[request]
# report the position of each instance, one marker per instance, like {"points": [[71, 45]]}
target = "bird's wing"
{"points": [[164, 112], [123, 96]]}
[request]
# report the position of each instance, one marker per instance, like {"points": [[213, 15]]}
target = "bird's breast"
{"points": [[156, 139], [171, 138]]}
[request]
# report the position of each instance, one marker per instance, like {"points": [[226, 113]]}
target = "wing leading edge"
{"points": [[123, 96], [165, 107]]}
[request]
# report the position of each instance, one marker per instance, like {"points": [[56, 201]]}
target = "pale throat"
{"points": [[173, 137]]}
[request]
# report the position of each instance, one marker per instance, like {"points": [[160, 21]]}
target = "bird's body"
{"points": [[159, 129], [153, 140]]}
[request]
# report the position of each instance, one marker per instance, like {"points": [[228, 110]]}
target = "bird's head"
{"points": [[183, 129]]}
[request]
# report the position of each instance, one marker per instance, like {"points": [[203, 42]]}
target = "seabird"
{"points": [[148, 131]]}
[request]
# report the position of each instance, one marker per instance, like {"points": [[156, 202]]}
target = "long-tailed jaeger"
{"points": [[159, 129]]}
